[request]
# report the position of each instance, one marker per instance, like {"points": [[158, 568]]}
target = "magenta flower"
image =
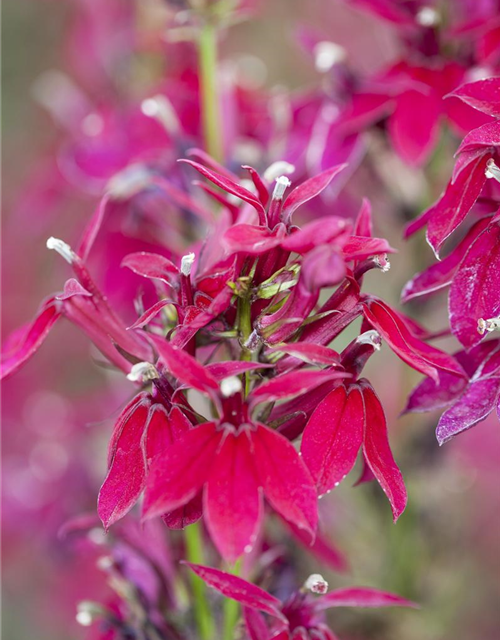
{"points": [[299, 617]]}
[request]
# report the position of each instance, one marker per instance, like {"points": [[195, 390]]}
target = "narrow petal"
{"points": [[419, 355], [229, 186], [358, 248], [414, 125], [182, 517], [361, 597], [488, 135], [27, 340], [477, 402], [378, 454], [246, 593], [309, 190], [363, 225], [127, 472], [323, 549], [256, 625], [475, 291], [233, 501], [286, 480], [184, 367], [221, 370], [333, 436], [430, 395], [309, 352], [149, 314], [151, 265], [178, 475], [261, 188], [252, 239], [322, 231], [456, 202], [288, 385], [440, 275]]}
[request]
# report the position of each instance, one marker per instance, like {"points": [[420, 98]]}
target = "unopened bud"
{"points": [[62, 249], [316, 583]]}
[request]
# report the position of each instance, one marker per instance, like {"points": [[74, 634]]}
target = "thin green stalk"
{"points": [[202, 611], [231, 610], [207, 52]]}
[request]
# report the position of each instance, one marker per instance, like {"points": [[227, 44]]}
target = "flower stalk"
{"points": [[209, 101]]}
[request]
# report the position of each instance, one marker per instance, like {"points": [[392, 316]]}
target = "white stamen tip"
{"points": [[492, 170], [142, 372], [280, 187], [86, 613], [370, 337], [278, 169], [327, 54], [230, 386], [187, 263], [316, 583], [62, 248], [487, 326], [104, 563], [128, 182], [428, 17], [160, 108], [382, 262]]}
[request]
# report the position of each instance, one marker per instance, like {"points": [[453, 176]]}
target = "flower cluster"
{"points": [[470, 269]]}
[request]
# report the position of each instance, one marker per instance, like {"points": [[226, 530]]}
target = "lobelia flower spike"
{"points": [[301, 615]]}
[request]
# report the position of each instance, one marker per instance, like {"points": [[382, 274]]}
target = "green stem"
{"points": [[207, 52], [202, 611], [231, 610]]}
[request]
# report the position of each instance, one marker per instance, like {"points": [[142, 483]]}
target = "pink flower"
{"points": [[301, 616]]}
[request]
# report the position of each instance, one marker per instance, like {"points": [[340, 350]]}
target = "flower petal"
{"points": [[286, 480], [246, 593], [361, 597], [333, 437], [477, 402], [378, 454], [288, 385], [151, 265], [176, 476], [309, 190], [127, 470], [26, 341], [419, 355], [183, 366], [483, 95], [232, 498], [475, 291], [456, 202]]}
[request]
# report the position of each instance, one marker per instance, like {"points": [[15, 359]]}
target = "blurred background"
{"points": [[57, 412]]}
